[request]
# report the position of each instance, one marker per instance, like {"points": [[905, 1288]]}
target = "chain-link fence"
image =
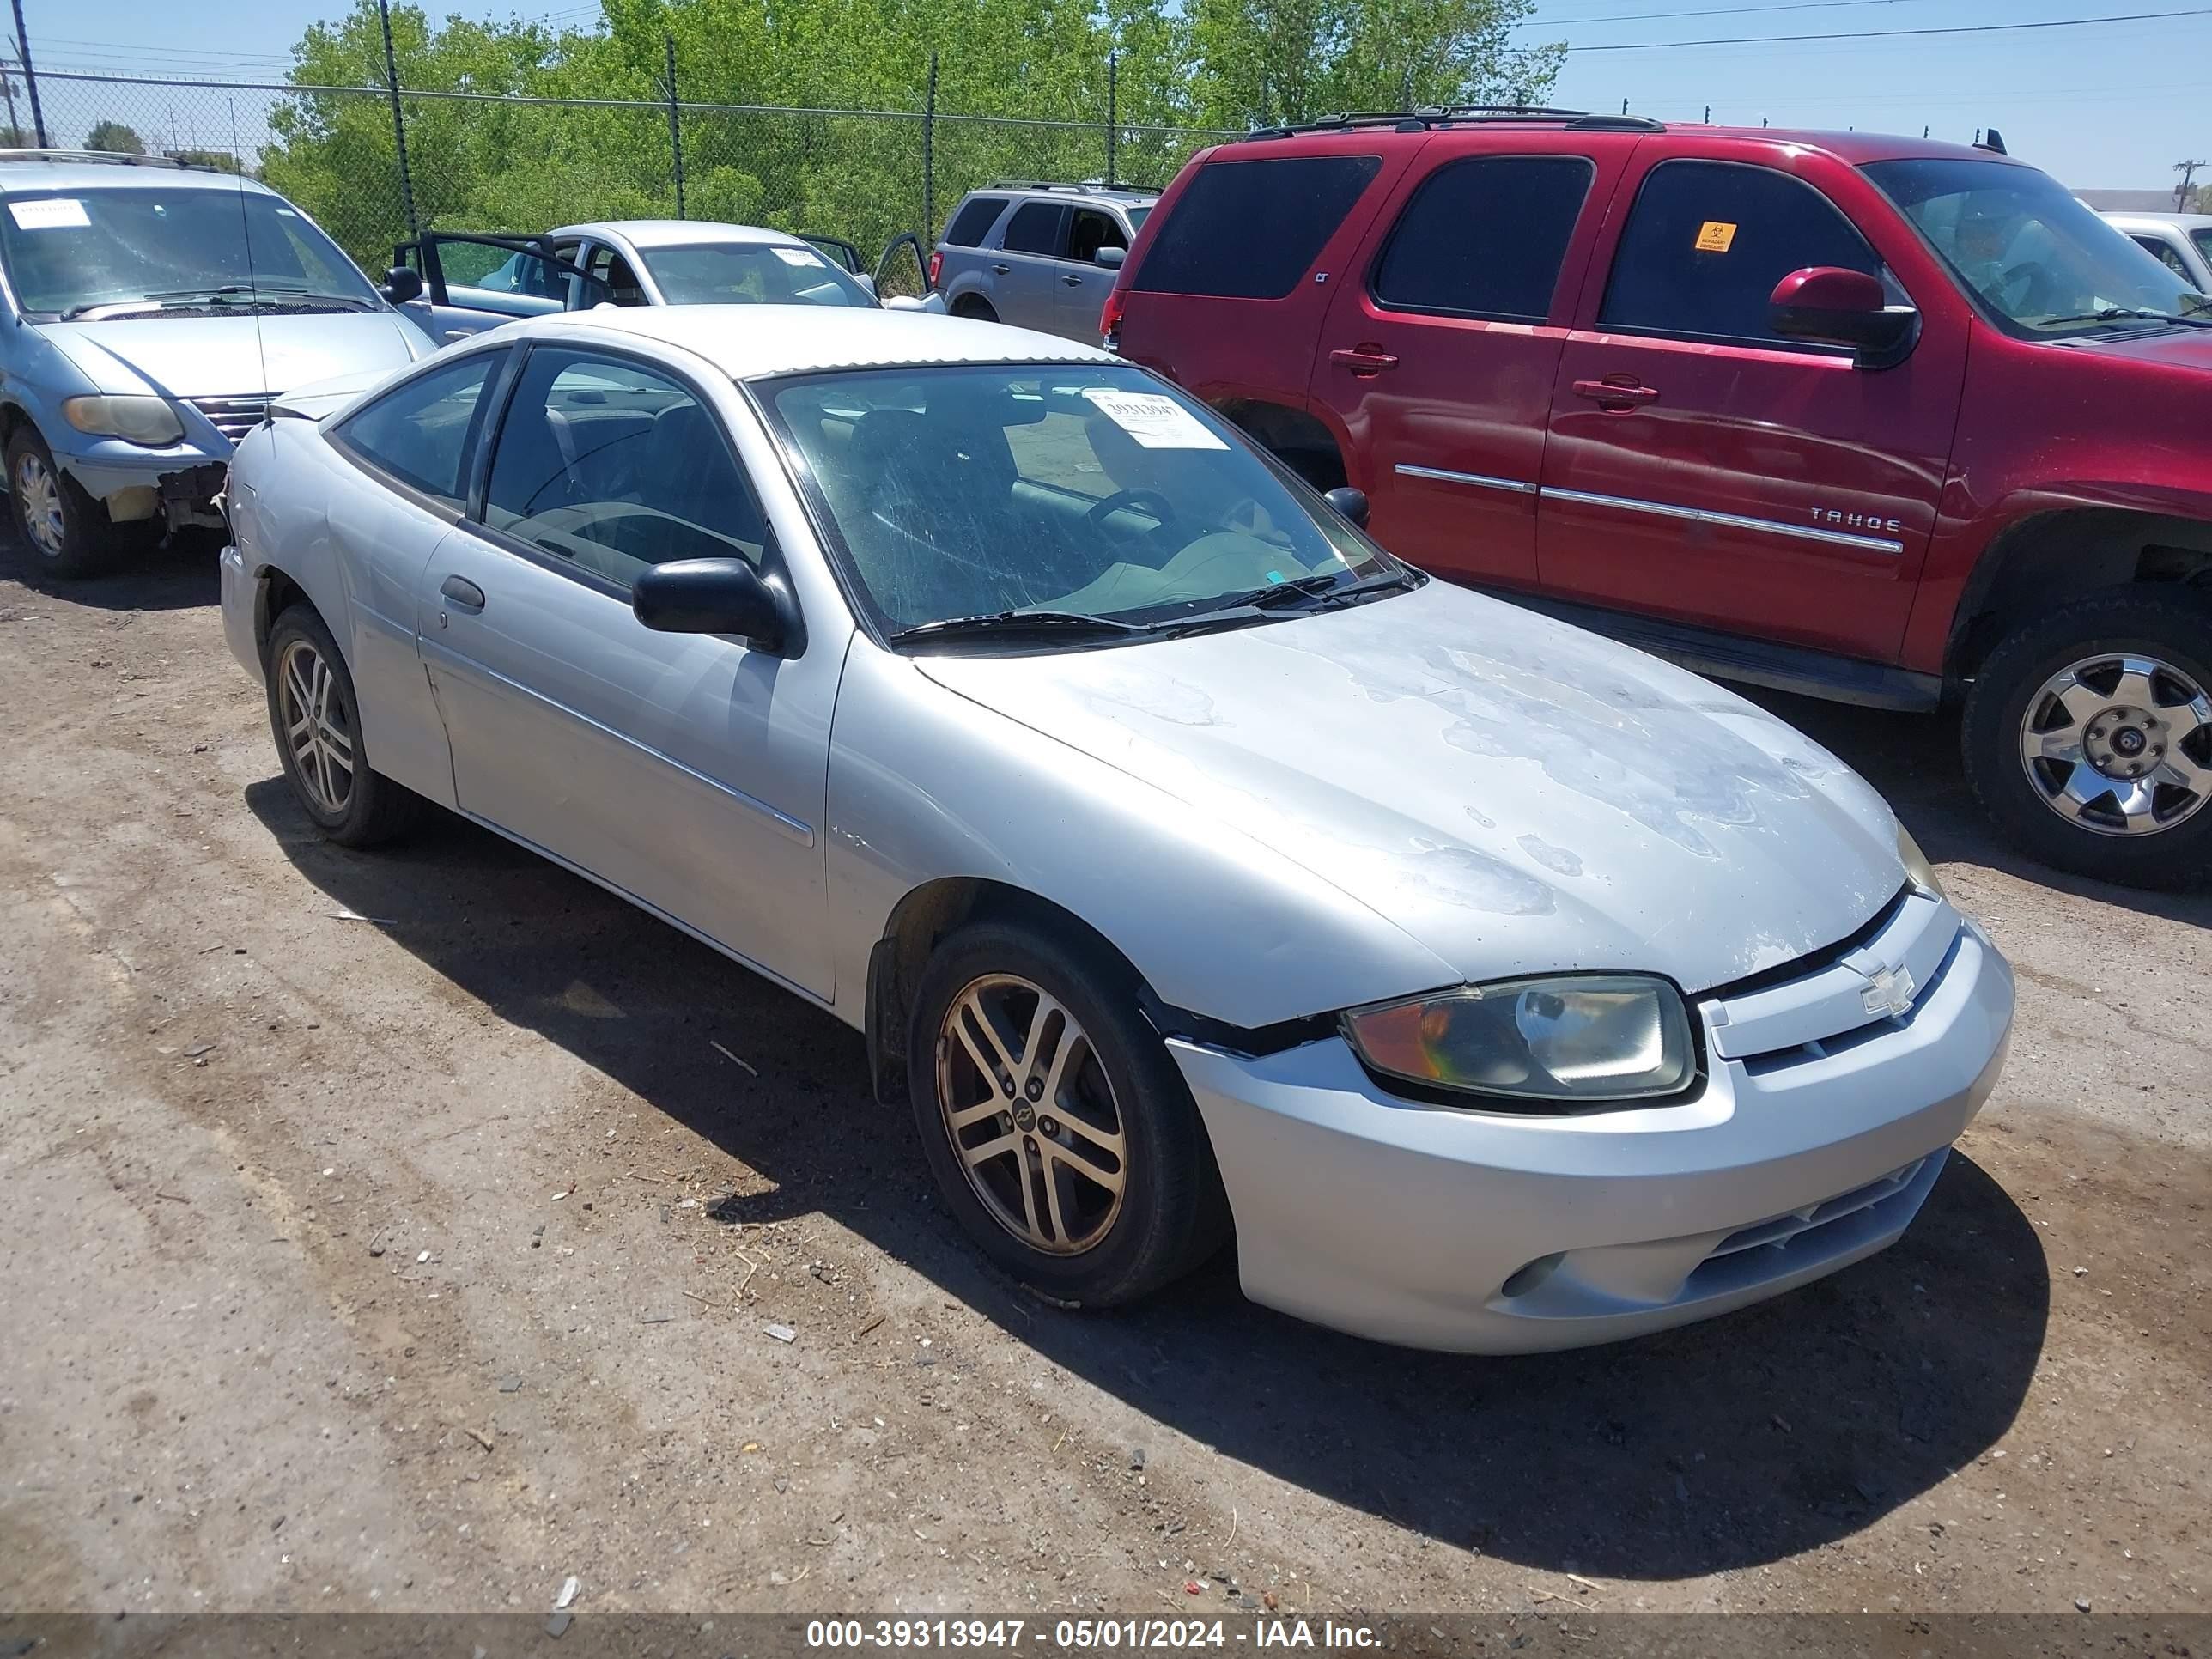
{"points": [[475, 161]]}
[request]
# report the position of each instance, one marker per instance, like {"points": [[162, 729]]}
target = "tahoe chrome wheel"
{"points": [[1030, 1114], [2119, 745], [38, 495], [318, 727]]}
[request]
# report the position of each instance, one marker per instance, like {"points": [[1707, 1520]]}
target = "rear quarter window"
{"points": [[974, 221], [1250, 230]]}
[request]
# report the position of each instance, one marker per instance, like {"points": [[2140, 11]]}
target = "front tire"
{"points": [[2088, 737], [68, 532], [314, 716], [1063, 1136]]}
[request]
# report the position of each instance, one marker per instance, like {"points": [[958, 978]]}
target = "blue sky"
{"points": [[2108, 106]]}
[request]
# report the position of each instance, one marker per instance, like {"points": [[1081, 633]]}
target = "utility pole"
{"points": [[2188, 171], [8, 82], [675, 122], [30, 75]]}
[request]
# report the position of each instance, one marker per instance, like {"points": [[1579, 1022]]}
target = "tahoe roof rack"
{"points": [[114, 157], [1441, 115]]}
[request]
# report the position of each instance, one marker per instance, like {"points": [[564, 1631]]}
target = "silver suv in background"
{"points": [[158, 306], [2182, 241], [1037, 255]]}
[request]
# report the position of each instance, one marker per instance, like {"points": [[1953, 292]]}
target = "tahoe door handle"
{"points": [[463, 592], [1619, 393], [1364, 360]]}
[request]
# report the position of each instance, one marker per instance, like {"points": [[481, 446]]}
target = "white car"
{"points": [[1187, 862], [2182, 240]]}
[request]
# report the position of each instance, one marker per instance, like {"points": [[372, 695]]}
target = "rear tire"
{"points": [[314, 716], [2088, 737], [1091, 1085], [977, 310], [68, 533]]}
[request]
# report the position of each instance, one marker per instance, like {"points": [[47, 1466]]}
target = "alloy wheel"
{"points": [[40, 496], [318, 727], [2120, 744], [1031, 1115]]}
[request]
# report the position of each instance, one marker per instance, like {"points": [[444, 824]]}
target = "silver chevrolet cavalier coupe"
{"points": [[1194, 865]]}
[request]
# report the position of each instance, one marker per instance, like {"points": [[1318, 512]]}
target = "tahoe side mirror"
{"points": [[712, 596], [1112, 258], [1350, 504], [1828, 305], [402, 284]]}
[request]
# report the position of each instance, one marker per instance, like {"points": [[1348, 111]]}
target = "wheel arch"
{"points": [[1300, 439], [276, 592], [2051, 557]]}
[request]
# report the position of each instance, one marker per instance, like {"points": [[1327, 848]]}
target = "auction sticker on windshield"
{"points": [[53, 213], [1154, 421], [794, 256]]}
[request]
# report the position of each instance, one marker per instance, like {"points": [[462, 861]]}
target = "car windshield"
{"points": [[751, 274], [148, 251], [1078, 491], [2041, 263]]}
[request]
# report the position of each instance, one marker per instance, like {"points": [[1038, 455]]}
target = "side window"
{"points": [[1090, 230], [421, 432], [610, 268], [1707, 241], [1034, 229], [976, 216], [613, 465], [1250, 230], [2168, 254], [1485, 237]]}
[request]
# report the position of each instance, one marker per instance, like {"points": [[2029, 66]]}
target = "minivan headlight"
{"points": [[1572, 1039], [134, 419]]}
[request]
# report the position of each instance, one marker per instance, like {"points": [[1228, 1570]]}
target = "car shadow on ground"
{"points": [[176, 575], [1725, 1445]]}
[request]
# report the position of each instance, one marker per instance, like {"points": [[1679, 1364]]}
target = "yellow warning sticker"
{"points": [[1716, 236]]}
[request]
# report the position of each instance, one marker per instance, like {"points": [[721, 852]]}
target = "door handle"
{"points": [[463, 592], [1617, 394], [1001, 269], [1364, 360], [1072, 281]]}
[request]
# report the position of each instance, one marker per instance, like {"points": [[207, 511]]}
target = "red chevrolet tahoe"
{"points": [[1877, 419]]}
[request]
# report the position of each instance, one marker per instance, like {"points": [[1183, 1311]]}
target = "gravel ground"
{"points": [[401, 1230]]}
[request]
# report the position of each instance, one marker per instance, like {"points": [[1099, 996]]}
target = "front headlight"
{"points": [[1918, 869], [134, 419], [1574, 1039]]}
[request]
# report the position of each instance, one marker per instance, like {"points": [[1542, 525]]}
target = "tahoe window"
{"points": [[1485, 237], [419, 434], [1706, 243], [610, 466], [1250, 230]]}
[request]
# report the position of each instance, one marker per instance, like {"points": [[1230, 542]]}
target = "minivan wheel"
{"points": [[68, 532], [1063, 1136], [2088, 737], [313, 714]]}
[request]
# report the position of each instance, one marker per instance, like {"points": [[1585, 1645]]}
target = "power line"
{"points": [[1712, 11], [1893, 34]]}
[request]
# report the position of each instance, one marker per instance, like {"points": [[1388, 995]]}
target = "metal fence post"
{"points": [[30, 75], [675, 124], [928, 155], [1113, 111], [398, 119]]}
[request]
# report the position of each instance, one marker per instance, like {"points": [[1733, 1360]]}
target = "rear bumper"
{"points": [[1484, 1232]]}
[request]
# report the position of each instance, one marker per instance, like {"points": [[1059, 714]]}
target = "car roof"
{"points": [[751, 342], [2145, 220], [27, 174], [678, 233], [1388, 132], [1119, 195]]}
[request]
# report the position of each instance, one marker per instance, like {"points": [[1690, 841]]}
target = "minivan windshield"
{"points": [[1068, 495], [2043, 265], [751, 274], [152, 251]]}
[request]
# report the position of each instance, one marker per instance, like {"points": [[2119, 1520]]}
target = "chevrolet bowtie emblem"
{"points": [[1889, 991]]}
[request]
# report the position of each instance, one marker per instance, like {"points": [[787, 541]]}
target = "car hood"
{"points": [[1518, 795], [234, 356], [2185, 348]]}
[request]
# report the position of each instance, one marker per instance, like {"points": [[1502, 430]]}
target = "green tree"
{"points": [[221, 160], [114, 136]]}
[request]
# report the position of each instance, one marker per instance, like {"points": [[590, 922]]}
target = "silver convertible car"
{"points": [[1196, 868]]}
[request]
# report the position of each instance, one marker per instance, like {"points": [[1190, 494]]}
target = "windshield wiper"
{"points": [[2115, 313], [1322, 584], [1017, 623]]}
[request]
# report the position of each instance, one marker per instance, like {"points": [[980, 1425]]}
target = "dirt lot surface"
{"points": [[400, 1231]]}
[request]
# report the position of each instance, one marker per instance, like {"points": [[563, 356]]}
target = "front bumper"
{"points": [[179, 483], [1480, 1231]]}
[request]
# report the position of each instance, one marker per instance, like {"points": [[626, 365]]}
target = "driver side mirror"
{"points": [[1350, 505], [1112, 258], [1828, 305], [402, 284], [714, 595]]}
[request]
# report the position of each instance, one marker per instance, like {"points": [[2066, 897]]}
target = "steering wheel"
{"points": [[2025, 285], [1151, 501]]}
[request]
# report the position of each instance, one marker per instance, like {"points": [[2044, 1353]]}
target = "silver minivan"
{"points": [[158, 307]]}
